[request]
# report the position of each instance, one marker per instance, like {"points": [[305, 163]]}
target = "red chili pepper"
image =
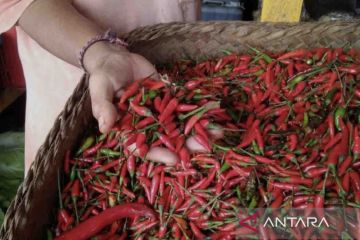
{"points": [[136, 100], [154, 188], [346, 182], [191, 85], [91, 151], [143, 150], [315, 172], [142, 111], [264, 160], [93, 225], [352, 69], [157, 104], [184, 156], [199, 129], [140, 139], [277, 202], [130, 91], [166, 141], [175, 231], [75, 189], [298, 180], [300, 53], [292, 142], [186, 107], [109, 165], [196, 231], [131, 165], [191, 122], [333, 141], [286, 186], [162, 183], [297, 200], [232, 155], [169, 109], [188, 172], [171, 128], [165, 100], [203, 141], [205, 182], [356, 142], [355, 180], [87, 213], [345, 165]]}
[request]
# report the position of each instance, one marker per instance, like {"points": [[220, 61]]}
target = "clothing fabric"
{"points": [[49, 80]]}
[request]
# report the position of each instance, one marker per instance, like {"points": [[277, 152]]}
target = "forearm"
{"points": [[58, 27]]}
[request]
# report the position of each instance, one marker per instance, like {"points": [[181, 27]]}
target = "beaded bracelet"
{"points": [[108, 36]]}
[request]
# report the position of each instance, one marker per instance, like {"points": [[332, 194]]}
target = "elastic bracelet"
{"points": [[108, 36]]}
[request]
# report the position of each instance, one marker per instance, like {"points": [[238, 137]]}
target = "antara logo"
{"points": [[294, 222]]}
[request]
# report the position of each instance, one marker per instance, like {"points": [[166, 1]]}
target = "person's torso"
{"points": [[125, 15]]}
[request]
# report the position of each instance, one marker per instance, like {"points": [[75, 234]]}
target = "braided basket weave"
{"points": [[31, 212]]}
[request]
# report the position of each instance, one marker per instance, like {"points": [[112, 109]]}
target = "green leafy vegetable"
{"points": [[11, 167]]}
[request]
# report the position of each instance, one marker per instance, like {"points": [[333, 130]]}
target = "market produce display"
{"points": [[277, 130]]}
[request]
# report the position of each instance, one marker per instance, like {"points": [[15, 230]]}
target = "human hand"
{"points": [[113, 71]]}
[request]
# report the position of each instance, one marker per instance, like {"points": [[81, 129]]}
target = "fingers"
{"points": [[169, 158], [142, 68], [162, 155], [194, 146], [216, 133], [101, 93]]}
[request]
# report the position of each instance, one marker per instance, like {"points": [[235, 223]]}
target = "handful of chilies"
{"points": [[290, 139]]}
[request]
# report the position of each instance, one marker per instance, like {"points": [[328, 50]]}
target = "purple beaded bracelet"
{"points": [[108, 36]]}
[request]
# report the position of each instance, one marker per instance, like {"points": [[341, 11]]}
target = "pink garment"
{"points": [[49, 80]]}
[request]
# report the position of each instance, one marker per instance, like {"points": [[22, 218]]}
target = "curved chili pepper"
{"points": [[297, 180], [166, 141], [264, 160], [203, 141], [140, 110], [186, 107], [88, 142], [130, 91], [93, 225], [191, 122], [199, 129], [140, 139], [355, 177], [300, 53], [131, 165], [91, 151], [205, 182], [344, 166], [154, 188], [169, 109], [352, 69], [286, 186]]}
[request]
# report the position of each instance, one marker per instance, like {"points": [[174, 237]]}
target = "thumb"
{"points": [[101, 93]]}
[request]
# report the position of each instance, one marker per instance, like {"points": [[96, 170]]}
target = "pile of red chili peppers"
{"points": [[291, 140]]}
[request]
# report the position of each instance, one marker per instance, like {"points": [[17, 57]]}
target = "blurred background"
{"points": [[12, 83]]}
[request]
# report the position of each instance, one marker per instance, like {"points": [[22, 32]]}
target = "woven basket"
{"points": [[31, 212]]}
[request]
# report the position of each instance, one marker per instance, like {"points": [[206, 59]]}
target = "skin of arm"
{"points": [[63, 30], [60, 29]]}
